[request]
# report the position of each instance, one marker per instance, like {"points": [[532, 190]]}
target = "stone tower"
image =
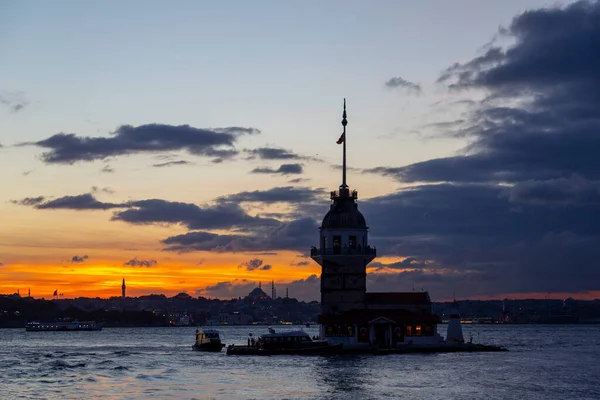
{"points": [[344, 249]]}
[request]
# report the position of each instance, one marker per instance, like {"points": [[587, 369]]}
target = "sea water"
{"points": [[544, 362]]}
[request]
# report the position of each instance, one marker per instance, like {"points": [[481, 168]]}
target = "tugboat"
{"points": [[208, 340], [290, 343]]}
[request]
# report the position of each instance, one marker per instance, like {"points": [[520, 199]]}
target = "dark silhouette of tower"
{"points": [[344, 249], [273, 291], [123, 288]]}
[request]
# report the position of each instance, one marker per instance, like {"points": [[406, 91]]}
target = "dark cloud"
{"points": [[107, 169], [296, 235], [80, 202], [515, 210], [228, 289], [78, 259], [301, 263], [483, 243], [284, 169], [134, 262], [298, 180], [540, 118], [559, 191], [172, 163], [274, 153], [307, 289], [286, 194], [254, 264], [29, 201], [219, 216], [1, 264], [400, 83], [126, 140]]}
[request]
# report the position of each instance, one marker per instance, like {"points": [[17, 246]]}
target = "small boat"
{"points": [[208, 340], [64, 325], [290, 343]]}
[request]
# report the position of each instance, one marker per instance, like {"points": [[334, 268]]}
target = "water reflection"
{"points": [[343, 376]]}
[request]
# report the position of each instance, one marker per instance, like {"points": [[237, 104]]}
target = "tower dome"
{"points": [[343, 213]]}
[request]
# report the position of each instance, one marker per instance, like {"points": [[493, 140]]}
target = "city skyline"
{"points": [[193, 148]]}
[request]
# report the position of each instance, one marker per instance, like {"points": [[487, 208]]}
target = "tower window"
{"points": [[324, 245], [337, 243], [352, 242]]}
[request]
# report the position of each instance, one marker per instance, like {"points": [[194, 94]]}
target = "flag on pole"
{"points": [[341, 139]]}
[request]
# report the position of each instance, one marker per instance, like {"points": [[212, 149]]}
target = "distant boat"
{"points": [[208, 340], [74, 325]]}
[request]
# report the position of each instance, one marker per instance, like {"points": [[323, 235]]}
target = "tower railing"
{"points": [[331, 251], [336, 194]]}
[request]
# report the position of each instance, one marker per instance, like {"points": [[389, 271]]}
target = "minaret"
{"points": [[273, 292], [343, 250], [123, 287]]}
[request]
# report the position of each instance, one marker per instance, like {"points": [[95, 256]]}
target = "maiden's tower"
{"points": [[349, 314]]}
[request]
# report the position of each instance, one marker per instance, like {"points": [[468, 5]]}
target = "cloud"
{"points": [[296, 235], [96, 189], [515, 210], [219, 216], [301, 263], [14, 101], [80, 202], [285, 194], [107, 169], [298, 180], [1, 264], [68, 148], [78, 259], [228, 289], [274, 153], [255, 264], [539, 120], [559, 191], [400, 83], [134, 262], [284, 169], [172, 163], [29, 201], [306, 289], [474, 238]]}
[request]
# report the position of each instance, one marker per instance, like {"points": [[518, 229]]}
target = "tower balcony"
{"points": [[343, 251]]}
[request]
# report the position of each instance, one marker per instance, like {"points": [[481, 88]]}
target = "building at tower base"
{"points": [[349, 314]]}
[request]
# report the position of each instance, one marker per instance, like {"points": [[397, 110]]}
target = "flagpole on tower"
{"points": [[344, 123]]}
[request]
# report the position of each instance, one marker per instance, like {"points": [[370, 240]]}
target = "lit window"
{"points": [[408, 330], [418, 330]]}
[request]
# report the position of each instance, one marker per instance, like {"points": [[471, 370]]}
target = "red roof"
{"points": [[398, 298]]}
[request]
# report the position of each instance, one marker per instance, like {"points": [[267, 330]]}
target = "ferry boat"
{"points": [[208, 340], [74, 325], [291, 343]]}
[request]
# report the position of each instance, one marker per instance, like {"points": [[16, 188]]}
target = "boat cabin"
{"points": [[289, 339], [207, 335]]}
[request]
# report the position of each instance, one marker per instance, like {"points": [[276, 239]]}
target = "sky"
{"points": [[190, 146]]}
